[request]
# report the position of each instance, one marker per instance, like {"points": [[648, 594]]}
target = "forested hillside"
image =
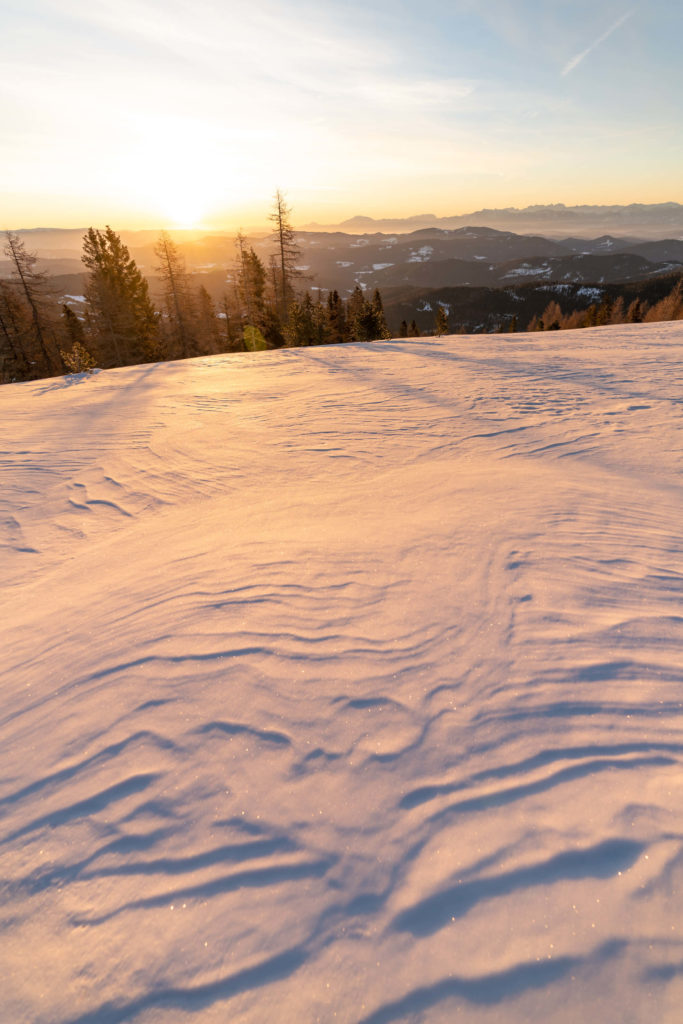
{"points": [[163, 298]]}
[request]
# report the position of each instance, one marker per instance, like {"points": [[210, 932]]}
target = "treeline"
{"points": [[631, 308], [263, 307], [610, 311]]}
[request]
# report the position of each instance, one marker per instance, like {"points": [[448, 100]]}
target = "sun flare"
{"points": [[183, 213]]}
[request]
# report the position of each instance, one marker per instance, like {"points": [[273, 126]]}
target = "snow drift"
{"points": [[346, 684]]}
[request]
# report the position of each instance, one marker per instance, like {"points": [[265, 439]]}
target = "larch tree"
{"points": [[31, 289], [604, 314], [180, 315], [288, 254], [552, 316], [15, 362], [619, 311], [591, 316], [635, 312], [668, 308]]}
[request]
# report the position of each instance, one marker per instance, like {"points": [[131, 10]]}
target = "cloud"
{"points": [[411, 93], [575, 61]]}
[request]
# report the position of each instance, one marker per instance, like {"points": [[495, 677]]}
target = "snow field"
{"points": [[345, 684]]}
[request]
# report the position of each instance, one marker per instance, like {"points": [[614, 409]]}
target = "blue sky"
{"points": [[150, 112]]}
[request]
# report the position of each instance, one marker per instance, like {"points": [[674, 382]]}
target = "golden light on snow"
{"points": [[396, 701]]}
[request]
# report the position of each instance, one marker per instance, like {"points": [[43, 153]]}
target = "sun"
{"points": [[183, 213]]}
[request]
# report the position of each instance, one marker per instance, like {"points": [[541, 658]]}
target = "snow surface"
{"points": [[345, 684], [421, 255], [525, 270]]}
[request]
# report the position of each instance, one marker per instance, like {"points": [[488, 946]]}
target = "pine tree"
{"points": [[413, 330], [119, 307], [359, 316], [380, 331], [336, 318], [72, 329], [208, 328], [75, 354], [321, 323], [231, 331], [305, 325], [77, 359], [403, 329], [251, 282], [440, 321]]}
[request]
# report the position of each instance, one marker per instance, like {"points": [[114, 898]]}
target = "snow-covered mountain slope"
{"points": [[346, 685]]}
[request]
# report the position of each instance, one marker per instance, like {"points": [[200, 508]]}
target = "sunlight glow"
{"points": [[149, 110], [183, 211]]}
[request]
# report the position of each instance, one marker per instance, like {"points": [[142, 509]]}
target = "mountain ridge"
{"points": [[550, 218]]}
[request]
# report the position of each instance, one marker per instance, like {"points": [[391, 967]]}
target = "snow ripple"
{"points": [[371, 712]]}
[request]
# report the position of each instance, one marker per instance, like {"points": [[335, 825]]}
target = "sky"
{"points": [[184, 113]]}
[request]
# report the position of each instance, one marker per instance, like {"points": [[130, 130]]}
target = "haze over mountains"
{"points": [[485, 277], [647, 219], [474, 255]]}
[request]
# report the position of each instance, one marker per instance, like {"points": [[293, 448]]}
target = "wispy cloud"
{"points": [[575, 61]]}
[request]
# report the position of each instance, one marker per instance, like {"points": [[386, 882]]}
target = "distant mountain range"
{"points": [[645, 220], [426, 258], [440, 257]]}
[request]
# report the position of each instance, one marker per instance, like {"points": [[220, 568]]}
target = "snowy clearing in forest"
{"points": [[347, 684]]}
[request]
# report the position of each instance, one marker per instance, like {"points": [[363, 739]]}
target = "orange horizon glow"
{"points": [[184, 215], [153, 115]]}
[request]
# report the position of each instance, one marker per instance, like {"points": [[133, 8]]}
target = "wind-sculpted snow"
{"points": [[346, 684]]}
